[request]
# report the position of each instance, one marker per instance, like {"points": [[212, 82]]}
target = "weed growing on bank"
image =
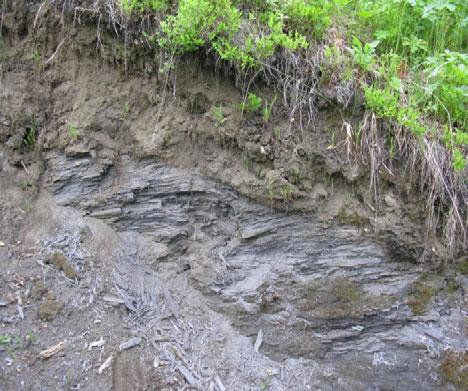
{"points": [[408, 56]]}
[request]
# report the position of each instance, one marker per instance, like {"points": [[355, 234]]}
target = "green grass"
{"points": [[409, 56]]}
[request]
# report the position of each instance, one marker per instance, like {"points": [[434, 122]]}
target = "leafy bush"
{"points": [[252, 103], [217, 24], [143, 5], [408, 56]]}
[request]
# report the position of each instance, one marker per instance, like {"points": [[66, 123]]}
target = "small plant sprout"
{"points": [[267, 107], [251, 103], [31, 338], [218, 115], [36, 57], [73, 132], [277, 133], [29, 138], [286, 192], [125, 111]]}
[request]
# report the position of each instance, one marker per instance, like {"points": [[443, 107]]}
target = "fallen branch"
{"points": [[56, 50], [53, 350]]}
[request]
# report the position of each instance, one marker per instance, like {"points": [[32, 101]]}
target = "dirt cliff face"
{"points": [[70, 87], [234, 251]]}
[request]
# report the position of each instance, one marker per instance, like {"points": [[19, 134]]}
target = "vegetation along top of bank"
{"points": [[405, 60]]}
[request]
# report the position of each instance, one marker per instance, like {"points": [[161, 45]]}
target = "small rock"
{"points": [[391, 201], [61, 262], [49, 308], [130, 343], [319, 191], [352, 172], [38, 290], [77, 150]]}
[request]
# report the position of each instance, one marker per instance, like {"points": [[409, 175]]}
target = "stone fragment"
{"points": [[38, 290], [61, 262], [50, 307]]}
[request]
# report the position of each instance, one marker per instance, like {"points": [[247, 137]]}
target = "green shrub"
{"points": [[203, 23], [409, 55], [143, 5], [199, 22], [309, 17], [252, 103], [382, 102]]}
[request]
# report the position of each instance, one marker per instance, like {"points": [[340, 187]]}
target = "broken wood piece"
{"points": [[105, 364], [97, 344], [223, 258], [113, 300], [259, 340], [170, 302], [53, 350], [219, 383], [187, 375], [156, 362], [130, 343], [20, 311]]}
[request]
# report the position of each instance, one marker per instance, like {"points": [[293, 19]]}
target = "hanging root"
{"points": [[428, 168]]}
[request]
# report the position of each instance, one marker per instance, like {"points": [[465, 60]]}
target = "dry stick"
{"points": [[163, 98], [99, 44], [1, 21], [38, 12], [125, 52], [53, 350], [56, 50], [25, 168]]}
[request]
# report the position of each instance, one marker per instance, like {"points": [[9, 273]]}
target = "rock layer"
{"points": [[324, 294]]}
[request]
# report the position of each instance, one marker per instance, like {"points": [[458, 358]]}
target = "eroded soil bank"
{"points": [[138, 210]]}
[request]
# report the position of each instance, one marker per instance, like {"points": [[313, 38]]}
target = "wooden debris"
{"points": [[223, 258], [105, 364], [97, 344], [219, 383], [53, 350], [130, 343], [187, 375], [171, 303], [113, 300], [259, 340], [156, 362], [20, 311], [126, 298], [2, 244]]}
